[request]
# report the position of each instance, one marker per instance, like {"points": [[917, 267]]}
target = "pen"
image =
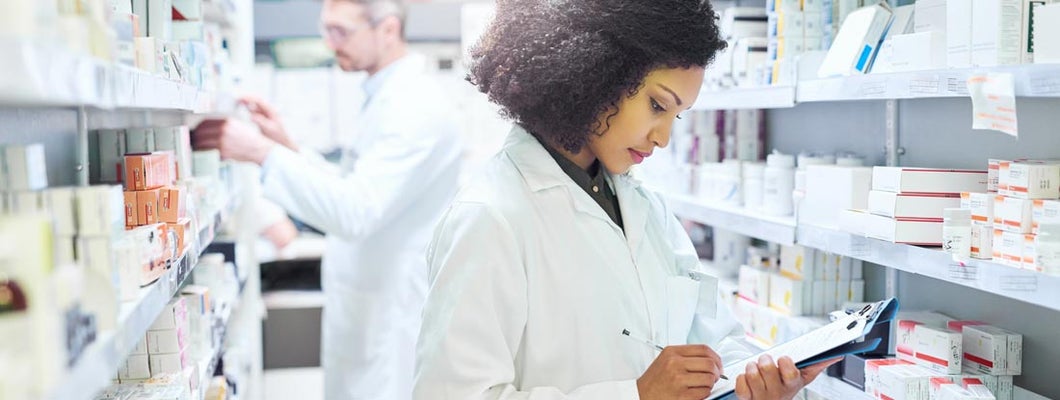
{"points": [[653, 344]]}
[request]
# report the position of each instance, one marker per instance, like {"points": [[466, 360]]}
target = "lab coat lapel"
{"points": [[634, 207], [541, 172]]}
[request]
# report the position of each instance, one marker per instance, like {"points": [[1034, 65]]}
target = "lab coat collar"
{"points": [[374, 83], [541, 172]]}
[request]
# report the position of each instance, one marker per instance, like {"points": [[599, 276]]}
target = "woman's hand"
{"points": [[765, 380], [685, 372]]}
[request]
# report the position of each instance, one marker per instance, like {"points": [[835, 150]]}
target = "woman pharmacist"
{"points": [[554, 250]]}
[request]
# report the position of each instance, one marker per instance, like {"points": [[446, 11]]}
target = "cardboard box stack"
{"points": [[906, 204]]}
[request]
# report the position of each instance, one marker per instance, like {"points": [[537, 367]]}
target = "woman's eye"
{"points": [[656, 106]]}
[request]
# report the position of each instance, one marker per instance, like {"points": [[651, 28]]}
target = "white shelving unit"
{"points": [[745, 222], [43, 75], [99, 363], [1032, 80], [1024, 285], [747, 98]]}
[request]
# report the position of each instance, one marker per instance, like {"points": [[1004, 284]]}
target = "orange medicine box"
{"points": [[171, 205], [148, 170], [180, 230], [147, 206], [130, 209]]}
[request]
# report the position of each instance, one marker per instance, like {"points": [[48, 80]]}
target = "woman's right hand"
{"points": [[681, 372]]}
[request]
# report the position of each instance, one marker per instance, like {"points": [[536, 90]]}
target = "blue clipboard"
{"points": [[841, 337]]}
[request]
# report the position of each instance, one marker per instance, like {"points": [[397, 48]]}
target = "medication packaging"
{"points": [[1044, 212], [1012, 214], [925, 180], [899, 205], [938, 349], [981, 206]]}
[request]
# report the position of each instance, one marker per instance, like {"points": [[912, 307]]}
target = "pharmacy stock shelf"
{"points": [[737, 219], [208, 365], [43, 75], [99, 363], [1031, 80], [1024, 285], [746, 98]]}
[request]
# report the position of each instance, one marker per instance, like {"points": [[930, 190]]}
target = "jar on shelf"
{"points": [[778, 184]]}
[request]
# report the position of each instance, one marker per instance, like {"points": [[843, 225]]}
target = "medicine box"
{"points": [[25, 168], [903, 382], [959, 34], [181, 229], [872, 373], [924, 180], [753, 285], [131, 208], [62, 205], [918, 206], [909, 231], [1046, 28], [100, 211], [178, 141], [982, 240], [991, 350], [147, 206], [148, 171], [171, 363], [173, 315], [797, 262], [171, 205], [1044, 212], [1012, 214], [1030, 253], [993, 172], [1027, 32], [1008, 248], [111, 158], [831, 189], [938, 349], [135, 367], [997, 31], [187, 9], [929, 16], [980, 204], [167, 341], [139, 141], [787, 295], [1033, 180]]}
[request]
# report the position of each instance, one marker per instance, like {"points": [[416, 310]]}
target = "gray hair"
{"points": [[378, 10]]}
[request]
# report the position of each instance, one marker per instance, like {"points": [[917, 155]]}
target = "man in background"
{"points": [[378, 212]]}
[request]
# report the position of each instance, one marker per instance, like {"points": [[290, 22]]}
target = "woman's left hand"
{"points": [[767, 380]]}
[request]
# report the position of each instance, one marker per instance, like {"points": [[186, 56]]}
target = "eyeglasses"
{"points": [[340, 33]]}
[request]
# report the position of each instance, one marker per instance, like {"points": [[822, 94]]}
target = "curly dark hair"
{"points": [[555, 66]]}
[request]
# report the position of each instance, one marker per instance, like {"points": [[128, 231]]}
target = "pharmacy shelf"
{"points": [[1024, 285], [835, 389], [746, 98], [43, 75], [1031, 80], [99, 363], [737, 219]]}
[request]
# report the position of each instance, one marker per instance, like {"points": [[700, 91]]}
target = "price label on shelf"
{"points": [[963, 273], [1019, 283]]}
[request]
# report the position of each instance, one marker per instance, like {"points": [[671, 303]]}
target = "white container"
{"points": [[957, 231], [779, 184], [753, 185], [730, 250], [730, 183], [1048, 248]]}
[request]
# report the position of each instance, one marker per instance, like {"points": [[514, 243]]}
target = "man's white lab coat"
{"points": [[396, 180], [532, 285]]}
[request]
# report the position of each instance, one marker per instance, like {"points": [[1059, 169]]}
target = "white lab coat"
{"points": [[532, 285], [396, 180]]}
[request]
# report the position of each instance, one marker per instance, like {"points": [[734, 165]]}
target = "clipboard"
{"points": [[840, 337]]}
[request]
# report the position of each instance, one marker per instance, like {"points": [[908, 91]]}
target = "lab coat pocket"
{"points": [[682, 298]]}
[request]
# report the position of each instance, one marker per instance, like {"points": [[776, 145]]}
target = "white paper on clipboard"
{"points": [[831, 338]]}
